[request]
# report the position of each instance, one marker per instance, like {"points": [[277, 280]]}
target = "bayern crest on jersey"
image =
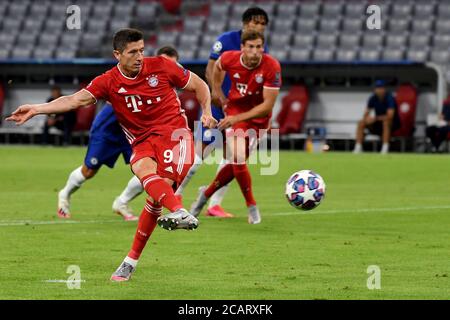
{"points": [[259, 78], [153, 81]]}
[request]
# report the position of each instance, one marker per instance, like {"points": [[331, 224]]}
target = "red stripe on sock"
{"points": [[224, 176], [244, 179], [161, 192]]}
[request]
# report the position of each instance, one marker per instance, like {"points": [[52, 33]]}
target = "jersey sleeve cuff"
{"points": [[90, 94], [190, 75]]}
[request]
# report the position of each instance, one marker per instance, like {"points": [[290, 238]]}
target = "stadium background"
{"points": [[324, 46], [389, 211]]}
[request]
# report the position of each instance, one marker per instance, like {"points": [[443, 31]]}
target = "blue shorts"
{"points": [[103, 152], [202, 131]]}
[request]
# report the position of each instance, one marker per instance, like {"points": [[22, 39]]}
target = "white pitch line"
{"points": [[8, 223], [398, 209], [5, 223], [63, 281]]}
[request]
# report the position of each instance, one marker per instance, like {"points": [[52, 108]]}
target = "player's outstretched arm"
{"points": [[62, 104], [203, 96], [217, 95], [261, 110]]}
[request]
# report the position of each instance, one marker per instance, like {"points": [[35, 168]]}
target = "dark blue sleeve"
{"points": [[391, 104], [371, 102], [446, 112], [220, 46]]}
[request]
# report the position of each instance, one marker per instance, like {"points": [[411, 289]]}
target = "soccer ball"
{"points": [[305, 190]]}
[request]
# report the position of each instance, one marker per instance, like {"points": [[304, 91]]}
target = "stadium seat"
{"points": [[188, 40], [300, 54], [215, 27], [70, 39], [424, 9], [441, 57], [32, 25], [396, 41], [309, 9], [65, 53], [289, 9], [419, 55], [346, 55], [331, 9], [43, 52], [329, 25], [85, 117], [193, 24], [283, 25], [280, 40], [235, 24], [443, 10], [21, 53], [237, 9], [443, 26], [326, 40], [393, 54], [117, 24], [167, 38], [7, 38], [27, 39], [324, 55], [280, 54], [406, 97], [355, 9], [372, 41], [422, 25], [349, 41], [369, 54], [419, 41], [306, 25], [4, 52], [303, 40], [399, 25], [352, 25], [401, 10], [294, 106], [220, 10], [191, 107], [441, 41]]}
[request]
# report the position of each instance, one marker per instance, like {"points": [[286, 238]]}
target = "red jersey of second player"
{"points": [[148, 103], [247, 84]]}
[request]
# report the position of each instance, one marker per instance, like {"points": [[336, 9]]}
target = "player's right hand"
{"points": [[208, 121], [22, 114]]}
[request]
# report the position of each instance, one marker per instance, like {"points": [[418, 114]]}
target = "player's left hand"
{"points": [[22, 114], [208, 121], [227, 122]]}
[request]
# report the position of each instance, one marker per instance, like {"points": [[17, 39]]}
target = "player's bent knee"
{"points": [[88, 173]]}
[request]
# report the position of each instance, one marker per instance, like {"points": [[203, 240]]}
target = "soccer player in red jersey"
{"points": [[142, 92], [255, 83]]}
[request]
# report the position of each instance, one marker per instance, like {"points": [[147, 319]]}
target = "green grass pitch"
{"points": [[390, 211]]}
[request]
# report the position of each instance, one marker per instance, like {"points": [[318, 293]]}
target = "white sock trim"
{"points": [[131, 261]]}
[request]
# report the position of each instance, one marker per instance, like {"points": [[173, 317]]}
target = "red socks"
{"points": [[146, 225], [242, 175], [244, 179], [224, 176], [161, 192]]}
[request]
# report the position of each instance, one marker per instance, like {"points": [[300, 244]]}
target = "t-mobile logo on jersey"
{"points": [[242, 88], [135, 102]]}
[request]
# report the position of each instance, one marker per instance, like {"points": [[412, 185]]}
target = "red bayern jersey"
{"points": [[147, 103], [247, 84]]}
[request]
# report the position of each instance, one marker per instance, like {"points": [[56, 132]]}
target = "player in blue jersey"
{"points": [[253, 18], [106, 143]]}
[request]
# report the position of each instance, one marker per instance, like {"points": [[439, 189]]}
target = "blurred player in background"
{"points": [[253, 18], [64, 122], [255, 84], [142, 93], [385, 121], [106, 143]]}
